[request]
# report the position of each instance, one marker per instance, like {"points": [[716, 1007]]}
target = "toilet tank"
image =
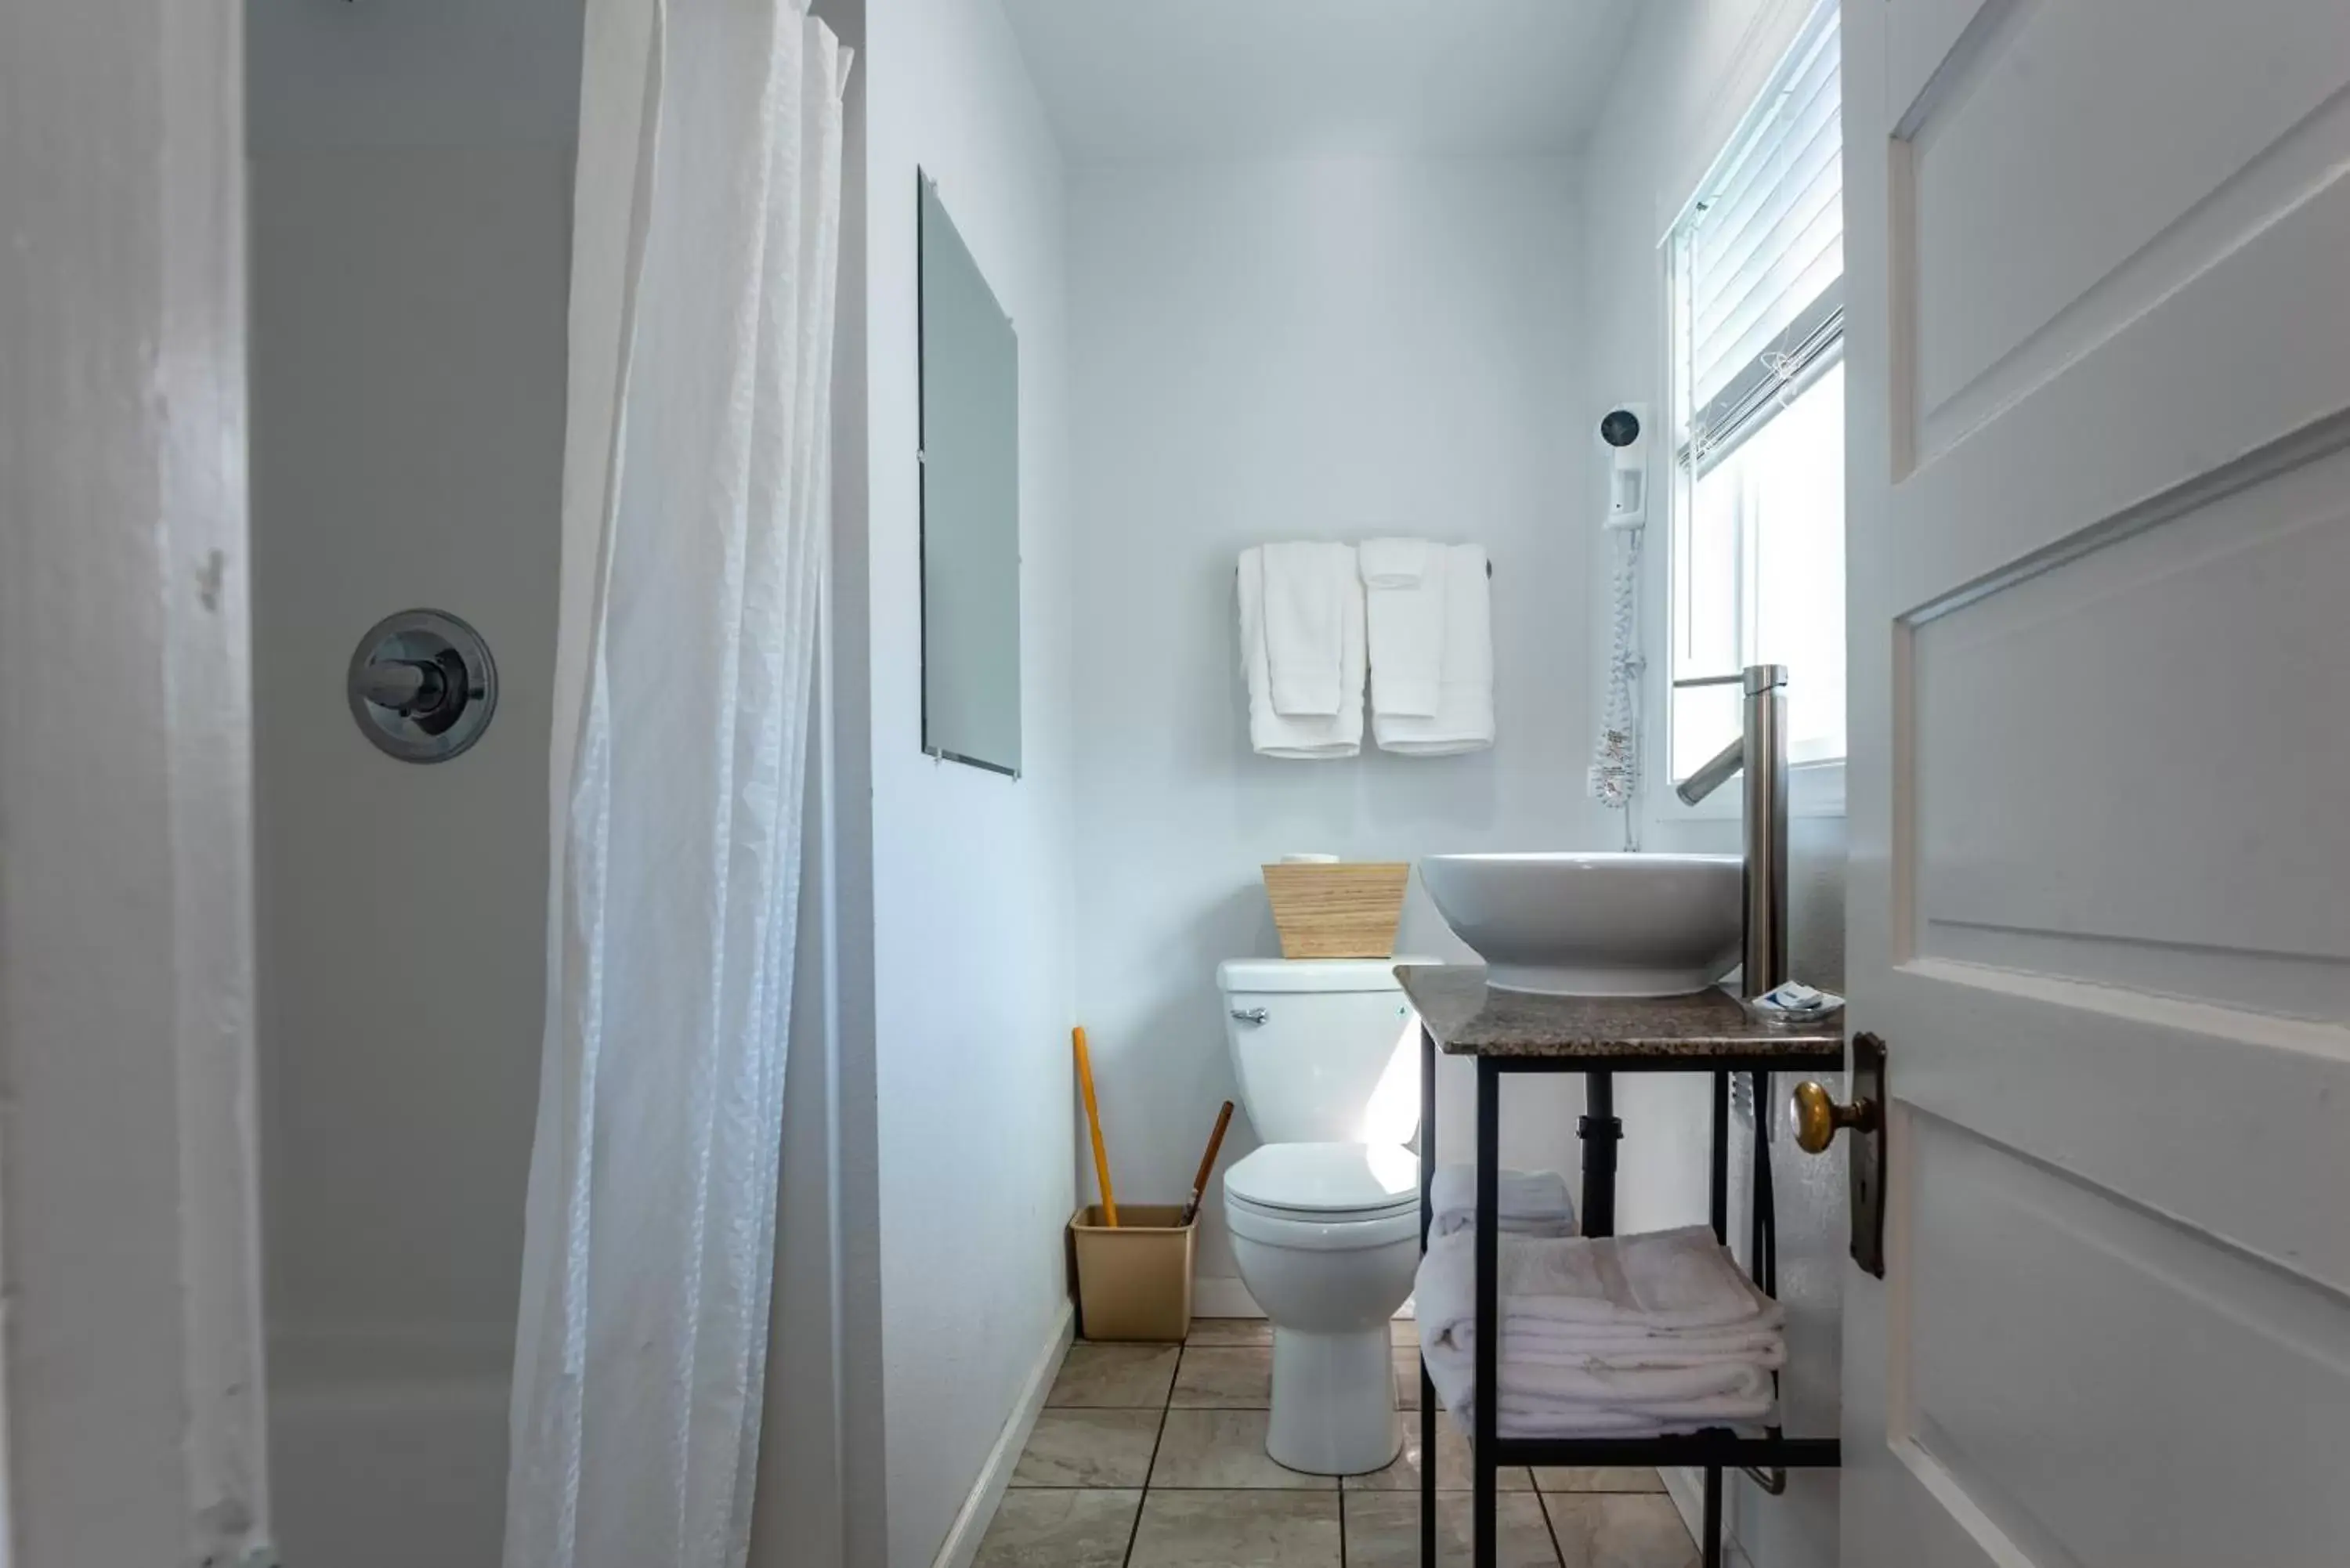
{"points": [[1326, 1050]]}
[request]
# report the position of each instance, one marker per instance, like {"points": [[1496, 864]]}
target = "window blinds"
{"points": [[1761, 252]]}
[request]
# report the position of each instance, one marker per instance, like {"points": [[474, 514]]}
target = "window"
{"points": [[1758, 380]]}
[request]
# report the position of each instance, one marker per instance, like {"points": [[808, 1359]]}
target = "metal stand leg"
{"points": [[1718, 1201], [1717, 1175], [1601, 1129], [1489, 1315], [1427, 1414]]}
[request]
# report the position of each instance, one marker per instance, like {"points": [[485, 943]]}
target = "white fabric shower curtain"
{"points": [[695, 509]]}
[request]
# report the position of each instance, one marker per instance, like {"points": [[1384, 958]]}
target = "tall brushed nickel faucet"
{"points": [[1761, 754]]}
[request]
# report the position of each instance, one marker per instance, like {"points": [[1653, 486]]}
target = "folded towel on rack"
{"points": [[1559, 1403], [1393, 563], [1604, 1336], [1310, 737], [1537, 1339], [1306, 586], [1554, 1425], [1432, 658], [1403, 597], [1533, 1202], [1721, 1388], [1659, 1281]]}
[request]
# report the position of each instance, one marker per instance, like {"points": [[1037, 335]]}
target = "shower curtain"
{"points": [[696, 498]]}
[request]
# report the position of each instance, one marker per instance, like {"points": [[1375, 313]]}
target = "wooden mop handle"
{"points": [[1208, 1162], [1093, 1120]]}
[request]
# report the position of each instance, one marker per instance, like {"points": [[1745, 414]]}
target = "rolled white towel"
{"points": [[1533, 1202]]}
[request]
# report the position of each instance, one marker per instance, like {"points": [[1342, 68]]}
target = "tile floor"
{"points": [[1152, 1455]]}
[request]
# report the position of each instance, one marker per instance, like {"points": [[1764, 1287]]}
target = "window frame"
{"points": [[1807, 351]]}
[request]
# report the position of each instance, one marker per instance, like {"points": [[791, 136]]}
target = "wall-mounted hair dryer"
{"points": [[1623, 432]]}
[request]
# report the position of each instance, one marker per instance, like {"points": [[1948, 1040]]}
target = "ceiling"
{"points": [[1284, 78]]}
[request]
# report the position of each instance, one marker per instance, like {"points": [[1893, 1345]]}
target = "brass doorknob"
{"points": [[1818, 1117]]}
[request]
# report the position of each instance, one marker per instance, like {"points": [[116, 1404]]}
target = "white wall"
{"points": [[130, 1273], [411, 175], [971, 872], [1306, 349], [1693, 69]]}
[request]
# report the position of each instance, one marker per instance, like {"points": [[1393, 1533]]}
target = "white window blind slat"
{"points": [[1769, 288], [1807, 132], [1806, 75], [1765, 240], [1813, 261], [1812, 172]]}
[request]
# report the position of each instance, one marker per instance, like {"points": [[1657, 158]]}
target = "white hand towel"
{"points": [[1533, 1202], [1557, 1402], [1662, 1281], [1636, 1335], [1403, 593], [1544, 1339], [1393, 563], [1461, 717], [1649, 1388], [1306, 587], [1309, 739]]}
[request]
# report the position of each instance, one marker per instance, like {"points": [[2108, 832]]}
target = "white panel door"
{"points": [[2099, 596]]}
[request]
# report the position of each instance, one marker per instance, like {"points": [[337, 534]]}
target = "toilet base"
{"points": [[1334, 1401]]}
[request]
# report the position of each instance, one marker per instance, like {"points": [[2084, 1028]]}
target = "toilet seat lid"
{"points": [[1327, 1179]]}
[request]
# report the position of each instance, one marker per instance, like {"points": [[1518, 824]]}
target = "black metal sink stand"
{"points": [[1713, 1451]]}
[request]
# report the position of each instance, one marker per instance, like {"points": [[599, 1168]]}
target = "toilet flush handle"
{"points": [[1249, 1014]]}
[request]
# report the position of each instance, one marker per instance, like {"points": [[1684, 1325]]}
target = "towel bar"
{"points": [[1488, 567]]}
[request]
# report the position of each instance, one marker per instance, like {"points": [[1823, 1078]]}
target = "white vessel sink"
{"points": [[1593, 925]]}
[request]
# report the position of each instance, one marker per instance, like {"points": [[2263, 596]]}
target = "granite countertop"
{"points": [[1470, 1019]]}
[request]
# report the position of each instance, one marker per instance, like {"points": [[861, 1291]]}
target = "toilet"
{"points": [[1325, 1218]]}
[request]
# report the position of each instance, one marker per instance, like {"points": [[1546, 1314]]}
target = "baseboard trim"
{"points": [[1686, 1487], [978, 1512], [1219, 1295]]}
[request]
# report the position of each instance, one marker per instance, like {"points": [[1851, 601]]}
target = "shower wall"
{"points": [[411, 211]]}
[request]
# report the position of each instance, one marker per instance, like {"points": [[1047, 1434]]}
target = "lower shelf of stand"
{"points": [[1716, 1448]]}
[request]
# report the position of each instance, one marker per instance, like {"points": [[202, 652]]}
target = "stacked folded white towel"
{"points": [[1431, 646], [1616, 1335], [1303, 650], [1533, 1202]]}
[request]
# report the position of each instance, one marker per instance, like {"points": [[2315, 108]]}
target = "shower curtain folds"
{"points": [[696, 502]]}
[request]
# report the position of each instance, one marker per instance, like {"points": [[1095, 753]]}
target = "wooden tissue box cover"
{"points": [[1346, 909]]}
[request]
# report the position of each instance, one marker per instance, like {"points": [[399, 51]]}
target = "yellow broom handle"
{"points": [[1093, 1120]]}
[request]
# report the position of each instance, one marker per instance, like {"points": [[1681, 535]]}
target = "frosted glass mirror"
{"points": [[971, 506]]}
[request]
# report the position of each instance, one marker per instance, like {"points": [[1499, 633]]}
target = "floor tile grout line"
{"points": [[1134, 1531], [1317, 1491], [1550, 1528]]}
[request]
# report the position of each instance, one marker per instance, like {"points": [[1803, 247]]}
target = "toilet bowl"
{"points": [[1325, 1218], [1325, 1237]]}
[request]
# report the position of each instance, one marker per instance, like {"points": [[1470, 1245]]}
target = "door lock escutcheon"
{"points": [[1819, 1118]]}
